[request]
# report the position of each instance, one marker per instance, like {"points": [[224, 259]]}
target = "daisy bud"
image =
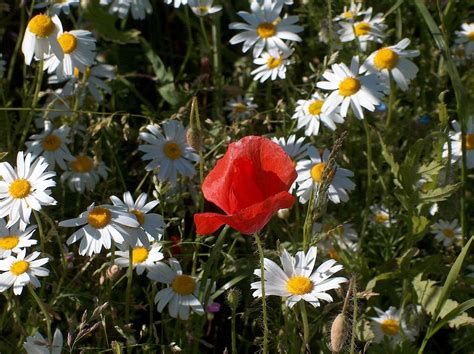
{"points": [[338, 333], [113, 272]]}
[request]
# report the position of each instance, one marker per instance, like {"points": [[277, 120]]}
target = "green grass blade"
{"points": [[451, 315]]}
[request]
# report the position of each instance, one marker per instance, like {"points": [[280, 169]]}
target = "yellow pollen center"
{"points": [[362, 28], [349, 86], [82, 164], [449, 233], [183, 285], [348, 15], [172, 150], [139, 215], [315, 107], [202, 9], [469, 141], [390, 326], [19, 188], [317, 172], [19, 267], [470, 36], [385, 59], [273, 62], [99, 217], [239, 107], [299, 285], [68, 42], [51, 142], [381, 218], [139, 255], [41, 25], [9, 242], [266, 30]]}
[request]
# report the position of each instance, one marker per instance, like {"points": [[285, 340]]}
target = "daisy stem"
{"points": [[308, 221], [204, 35], [304, 316], [129, 285], [40, 230], [354, 317], [391, 102], [330, 28], [368, 198], [216, 64], [264, 301], [43, 310]]}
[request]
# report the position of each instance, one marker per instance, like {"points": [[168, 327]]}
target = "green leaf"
{"points": [[439, 194], [430, 169], [420, 225], [373, 282], [454, 316], [394, 166]]}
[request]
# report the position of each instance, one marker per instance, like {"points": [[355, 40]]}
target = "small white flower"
{"points": [[389, 324], [58, 6], [38, 345], [240, 108], [22, 270], [351, 13], [297, 149], [84, 174], [41, 38], [176, 3], [456, 144], [151, 225], [24, 188], [51, 144], [13, 240], [170, 152], [297, 281], [182, 292], [447, 232], [204, 7], [310, 174], [309, 115], [393, 61], [466, 37], [272, 65], [349, 88], [103, 224], [381, 216], [139, 8], [143, 257], [264, 29]]}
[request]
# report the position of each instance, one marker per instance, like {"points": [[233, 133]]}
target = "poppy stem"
{"points": [[264, 301]]}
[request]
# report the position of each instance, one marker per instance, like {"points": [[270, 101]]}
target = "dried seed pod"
{"points": [[194, 138], [338, 333]]}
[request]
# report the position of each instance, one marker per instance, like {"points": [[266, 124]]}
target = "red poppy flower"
{"points": [[250, 183]]}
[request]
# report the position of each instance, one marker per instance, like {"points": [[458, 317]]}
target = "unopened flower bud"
{"points": [[338, 333], [194, 138], [283, 213]]}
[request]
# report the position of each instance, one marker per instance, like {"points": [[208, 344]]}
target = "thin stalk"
{"points": [[232, 331], [391, 102], [308, 221], [368, 199], [129, 285], [40, 230], [43, 310], [354, 318], [217, 65], [264, 301], [204, 35], [304, 316], [329, 19]]}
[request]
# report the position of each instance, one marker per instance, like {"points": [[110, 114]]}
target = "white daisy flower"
{"points": [[297, 281], [392, 61], [352, 12], [176, 3], [309, 115], [368, 30], [447, 232], [38, 345], [240, 108], [456, 144], [182, 292], [348, 88], [24, 188], [466, 37], [22, 270], [286, 2], [51, 144], [139, 8], [389, 324], [344, 236], [103, 224], [143, 258], [381, 216], [204, 7], [41, 38], [79, 52], [310, 174], [58, 6], [297, 149], [170, 152], [84, 173], [3, 64], [272, 64], [459, 55], [264, 29], [13, 240], [151, 225]]}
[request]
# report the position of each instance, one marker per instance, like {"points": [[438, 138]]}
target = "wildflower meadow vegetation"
{"points": [[263, 176]]}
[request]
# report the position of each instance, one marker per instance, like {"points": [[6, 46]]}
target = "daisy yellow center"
{"points": [[315, 107], [139, 215], [82, 164], [317, 172], [99, 217], [470, 36], [19, 267], [390, 326], [362, 28], [183, 285], [273, 62], [51, 142], [240, 107], [449, 233], [9, 242], [19, 188], [41, 25], [381, 218], [348, 15], [469, 141], [385, 59], [203, 9], [172, 150], [349, 86], [299, 285], [266, 30], [139, 255], [68, 42]]}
